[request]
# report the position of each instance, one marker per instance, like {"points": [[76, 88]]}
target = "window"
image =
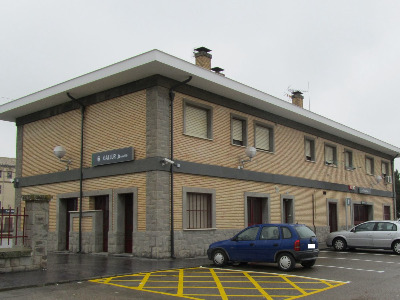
{"points": [[0, 189], [385, 169], [348, 160], [198, 208], [386, 226], [309, 148], [264, 137], [270, 233], [0, 173], [330, 155], [365, 227], [197, 120], [249, 234], [9, 175], [286, 233], [369, 165], [239, 131]]}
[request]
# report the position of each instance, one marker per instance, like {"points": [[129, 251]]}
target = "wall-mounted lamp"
{"points": [[250, 153], [60, 152]]}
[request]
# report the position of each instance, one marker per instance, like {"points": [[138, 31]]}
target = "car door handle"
{"points": [[251, 244]]}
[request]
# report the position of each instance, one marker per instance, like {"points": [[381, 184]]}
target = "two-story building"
{"points": [[159, 157]]}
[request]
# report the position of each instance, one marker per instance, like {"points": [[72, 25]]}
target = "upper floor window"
{"points": [[238, 131], [369, 165], [264, 137], [197, 120], [385, 169], [9, 174], [330, 155], [348, 160], [0, 173], [309, 148]]}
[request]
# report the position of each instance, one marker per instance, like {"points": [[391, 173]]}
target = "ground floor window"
{"points": [[198, 208], [287, 209]]}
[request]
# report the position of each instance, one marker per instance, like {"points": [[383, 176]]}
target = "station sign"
{"points": [[112, 156]]}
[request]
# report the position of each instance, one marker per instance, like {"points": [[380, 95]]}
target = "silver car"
{"points": [[371, 234]]}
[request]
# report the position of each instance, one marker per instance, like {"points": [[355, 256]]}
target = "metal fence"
{"points": [[12, 227]]}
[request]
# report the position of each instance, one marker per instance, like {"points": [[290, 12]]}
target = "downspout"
{"points": [[313, 212], [81, 172], [171, 98], [394, 188]]}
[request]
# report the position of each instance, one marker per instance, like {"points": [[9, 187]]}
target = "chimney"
{"points": [[203, 58], [218, 71], [297, 98]]}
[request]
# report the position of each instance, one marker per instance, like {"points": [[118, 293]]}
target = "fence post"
{"points": [[37, 226]]}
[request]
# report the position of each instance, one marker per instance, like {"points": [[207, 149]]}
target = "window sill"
{"points": [[310, 161], [199, 229], [198, 137]]}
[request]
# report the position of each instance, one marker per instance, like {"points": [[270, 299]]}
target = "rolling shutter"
{"points": [[329, 155], [237, 130], [196, 121], [262, 138]]}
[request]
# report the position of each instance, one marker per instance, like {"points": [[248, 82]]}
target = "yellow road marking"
{"points": [[221, 283]]}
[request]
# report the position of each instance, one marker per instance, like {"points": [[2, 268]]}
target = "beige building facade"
{"points": [[156, 162]]}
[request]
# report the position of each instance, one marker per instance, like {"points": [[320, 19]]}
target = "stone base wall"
{"points": [[322, 233], [18, 259]]}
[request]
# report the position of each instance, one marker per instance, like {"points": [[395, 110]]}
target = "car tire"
{"points": [[396, 247], [308, 263], [219, 258], [339, 244], [286, 262]]}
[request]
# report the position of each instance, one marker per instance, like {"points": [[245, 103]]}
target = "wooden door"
{"points": [[333, 224], [128, 222]]}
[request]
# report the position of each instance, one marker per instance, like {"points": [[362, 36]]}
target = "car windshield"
{"points": [[304, 232]]}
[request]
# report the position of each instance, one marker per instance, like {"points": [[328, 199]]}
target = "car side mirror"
{"points": [[353, 230]]}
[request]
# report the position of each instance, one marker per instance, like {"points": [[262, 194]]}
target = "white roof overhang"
{"points": [[157, 62]]}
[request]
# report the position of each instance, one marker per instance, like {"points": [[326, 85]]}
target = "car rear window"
{"points": [[304, 232]]}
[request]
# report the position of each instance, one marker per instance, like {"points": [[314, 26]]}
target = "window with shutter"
{"points": [[196, 121], [369, 166], [262, 140], [348, 160], [330, 155], [385, 168], [309, 149], [237, 132]]}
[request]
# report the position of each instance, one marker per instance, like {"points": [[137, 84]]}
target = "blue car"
{"points": [[284, 244]]}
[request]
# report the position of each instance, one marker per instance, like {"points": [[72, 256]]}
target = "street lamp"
{"points": [[59, 152]]}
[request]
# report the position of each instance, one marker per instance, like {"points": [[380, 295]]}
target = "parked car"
{"points": [[284, 244], [371, 234]]}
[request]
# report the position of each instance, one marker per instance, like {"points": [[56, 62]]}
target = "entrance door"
{"points": [[288, 211], [101, 203], [360, 213], [72, 205], [128, 199], [254, 211], [333, 216]]}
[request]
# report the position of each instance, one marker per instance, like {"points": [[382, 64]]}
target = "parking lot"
{"points": [[336, 275]]}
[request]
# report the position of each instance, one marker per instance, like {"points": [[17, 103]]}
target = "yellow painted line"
{"points": [[258, 287], [293, 285], [144, 280], [219, 285], [180, 283]]}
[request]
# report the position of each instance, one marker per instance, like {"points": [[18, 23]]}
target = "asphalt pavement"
{"points": [[64, 267]]}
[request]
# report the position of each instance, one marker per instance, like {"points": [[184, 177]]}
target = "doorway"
{"points": [[254, 211], [72, 205], [127, 200], [101, 203], [333, 221], [362, 213], [287, 211]]}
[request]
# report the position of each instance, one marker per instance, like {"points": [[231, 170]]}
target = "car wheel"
{"points": [[286, 262], [219, 258], [396, 247], [308, 263], [339, 244]]}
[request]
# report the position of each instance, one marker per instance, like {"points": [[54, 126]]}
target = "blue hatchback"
{"points": [[284, 244]]}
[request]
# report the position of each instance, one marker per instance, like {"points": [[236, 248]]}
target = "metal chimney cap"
{"points": [[202, 49], [217, 69]]}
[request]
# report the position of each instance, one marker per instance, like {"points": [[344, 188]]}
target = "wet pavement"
{"points": [[69, 267]]}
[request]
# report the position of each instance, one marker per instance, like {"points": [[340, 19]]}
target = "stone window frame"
{"points": [[312, 148], [266, 208], [198, 190], [244, 129], [207, 108]]}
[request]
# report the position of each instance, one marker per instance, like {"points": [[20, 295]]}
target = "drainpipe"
{"points": [[394, 188], [81, 172], [171, 98], [313, 211]]}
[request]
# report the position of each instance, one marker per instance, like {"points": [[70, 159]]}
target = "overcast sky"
{"points": [[347, 52]]}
